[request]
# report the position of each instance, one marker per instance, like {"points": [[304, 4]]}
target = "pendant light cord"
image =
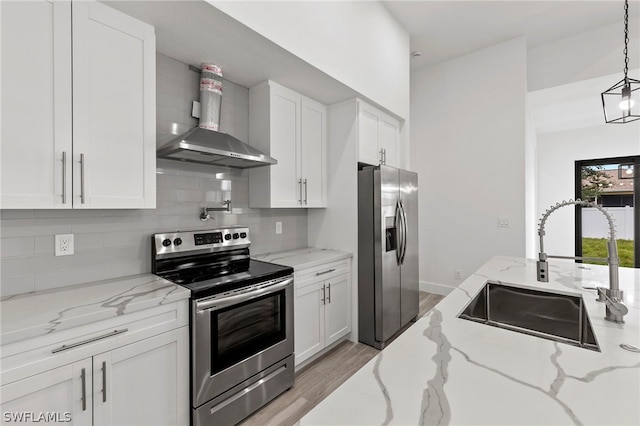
{"points": [[626, 39]]}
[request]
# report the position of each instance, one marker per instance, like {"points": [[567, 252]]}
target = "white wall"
{"points": [[584, 56], [468, 128], [556, 156], [358, 43]]}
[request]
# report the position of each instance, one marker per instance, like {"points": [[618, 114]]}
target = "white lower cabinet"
{"points": [[138, 384], [143, 382], [322, 308], [57, 394]]}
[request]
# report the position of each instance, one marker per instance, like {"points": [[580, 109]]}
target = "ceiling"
{"points": [[443, 30]]}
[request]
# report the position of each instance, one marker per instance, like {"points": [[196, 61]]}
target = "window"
{"points": [[613, 183]]}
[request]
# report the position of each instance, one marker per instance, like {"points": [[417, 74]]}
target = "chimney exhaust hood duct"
{"points": [[204, 144]]}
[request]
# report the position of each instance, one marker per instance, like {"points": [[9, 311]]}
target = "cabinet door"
{"points": [[314, 154], [113, 109], [309, 321], [144, 383], [286, 187], [388, 140], [368, 124], [337, 308], [62, 395], [36, 104]]}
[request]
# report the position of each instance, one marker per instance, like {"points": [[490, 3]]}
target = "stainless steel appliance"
{"points": [[241, 321], [387, 252], [214, 148]]}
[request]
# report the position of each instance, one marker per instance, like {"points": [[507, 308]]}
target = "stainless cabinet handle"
{"points": [[64, 177], [329, 296], [93, 339], [83, 377], [305, 191], [381, 156], [325, 272], [384, 153], [300, 186], [323, 295], [104, 381], [82, 178]]}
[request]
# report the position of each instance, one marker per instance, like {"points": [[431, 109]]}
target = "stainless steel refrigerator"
{"points": [[387, 252]]}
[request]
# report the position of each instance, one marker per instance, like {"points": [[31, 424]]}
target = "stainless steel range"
{"points": [[241, 321]]}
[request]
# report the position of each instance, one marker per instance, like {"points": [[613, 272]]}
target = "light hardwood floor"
{"points": [[319, 379]]}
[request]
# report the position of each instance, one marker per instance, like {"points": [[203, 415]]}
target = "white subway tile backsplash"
{"points": [[89, 241], [17, 284], [22, 246], [115, 243], [16, 214], [45, 244], [190, 195], [122, 239], [50, 262], [34, 227], [16, 265], [65, 277]]}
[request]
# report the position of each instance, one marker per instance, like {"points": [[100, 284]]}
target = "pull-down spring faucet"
{"points": [[611, 296]]}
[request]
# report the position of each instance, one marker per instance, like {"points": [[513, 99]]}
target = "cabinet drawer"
{"points": [[42, 353], [308, 276]]}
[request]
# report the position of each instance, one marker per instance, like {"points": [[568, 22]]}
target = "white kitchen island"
{"points": [[447, 370]]}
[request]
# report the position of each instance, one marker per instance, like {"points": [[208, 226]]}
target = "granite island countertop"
{"points": [[449, 371], [43, 312], [303, 258]]}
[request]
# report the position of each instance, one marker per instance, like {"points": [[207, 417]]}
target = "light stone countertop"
{"points": [[303, 258], [449, 371], [43, 312]]}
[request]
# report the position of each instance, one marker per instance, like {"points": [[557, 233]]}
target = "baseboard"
{"points": [[436, 288]]}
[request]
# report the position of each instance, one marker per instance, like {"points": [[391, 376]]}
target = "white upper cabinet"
{"points": [[113, 108], [292, 129], [378, 136], [36, 104], [86, 141]]}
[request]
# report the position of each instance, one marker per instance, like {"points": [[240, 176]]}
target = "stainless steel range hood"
{"points": [[214, 148]]}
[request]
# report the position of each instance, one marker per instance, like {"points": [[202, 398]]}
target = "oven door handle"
{"points": [[217, 303]]}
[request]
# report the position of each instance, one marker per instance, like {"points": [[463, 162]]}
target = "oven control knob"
{"points": [[236, 236], [177, 241], [166, 242], [243, 235], [227, 236]]}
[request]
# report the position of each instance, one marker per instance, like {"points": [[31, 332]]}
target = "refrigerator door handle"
{"points": [[404, 232], [399, 233]]}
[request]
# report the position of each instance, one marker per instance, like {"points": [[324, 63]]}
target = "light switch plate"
{"points": [[195, 109], [278, 227]]}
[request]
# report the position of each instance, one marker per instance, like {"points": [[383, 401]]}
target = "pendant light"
{"points": [[621, 102]]}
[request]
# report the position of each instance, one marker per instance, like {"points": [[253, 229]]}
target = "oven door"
{"points": [[238, 334]]}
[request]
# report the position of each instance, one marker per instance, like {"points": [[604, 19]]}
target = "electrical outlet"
{"points": [[278, 227], [64, 244], [503, 222], [457, 274]]}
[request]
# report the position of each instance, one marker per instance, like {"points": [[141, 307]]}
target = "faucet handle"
{"points": [[615, 308]]}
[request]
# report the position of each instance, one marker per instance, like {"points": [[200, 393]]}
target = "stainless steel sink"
{"points": [[559, 317]]}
